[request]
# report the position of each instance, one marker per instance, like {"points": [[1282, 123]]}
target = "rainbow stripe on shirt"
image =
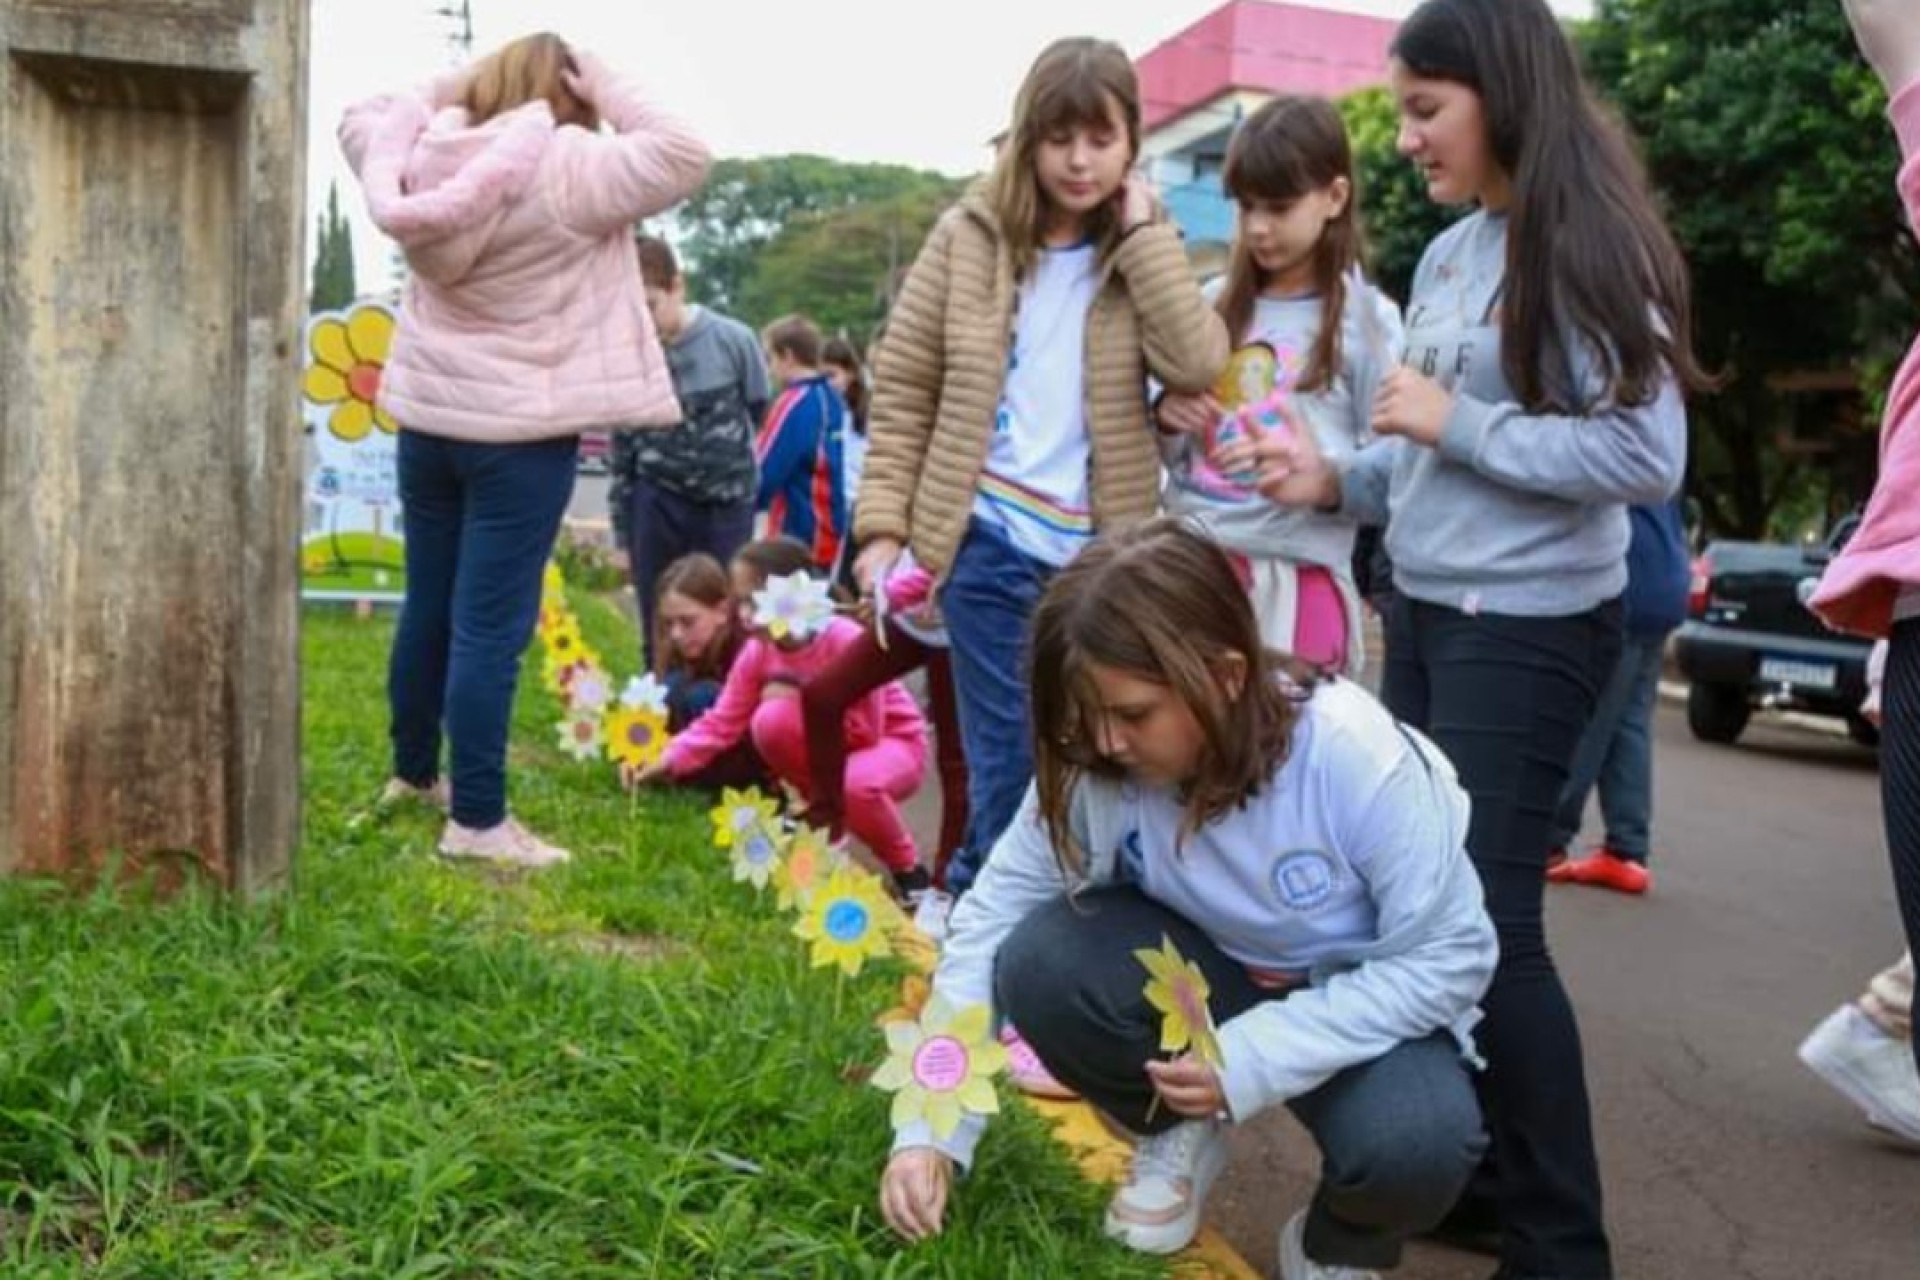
{"points": [[1016, 501]]}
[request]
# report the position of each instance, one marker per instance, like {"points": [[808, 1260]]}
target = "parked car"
{"points": [[1750, 641], [596, 452]]}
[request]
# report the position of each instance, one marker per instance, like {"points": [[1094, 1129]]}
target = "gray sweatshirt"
{"points": [[1513, 512]]}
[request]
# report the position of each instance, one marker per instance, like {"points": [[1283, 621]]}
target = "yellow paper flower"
{"points": [[809, 861], [941, 1066], [636, 736], [553, 582], [563, 641], [756, 854], [580, 733], [349, 358], [1178, 989], [847, 920], [560, 666], [741, 811]]}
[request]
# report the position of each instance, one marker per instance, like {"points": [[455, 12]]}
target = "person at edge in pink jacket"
{"points": [[1872, 587], [884, 733], [522, 324]]}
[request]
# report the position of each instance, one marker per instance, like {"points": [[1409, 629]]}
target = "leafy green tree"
{"points": [[747, 203], [333, 282], [1394, 208], [1766, 138]]}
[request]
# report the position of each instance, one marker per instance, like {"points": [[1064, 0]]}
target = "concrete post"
{"points": [[151, 218]]}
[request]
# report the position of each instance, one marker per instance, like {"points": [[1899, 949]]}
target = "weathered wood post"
{"points": [[152, 159]]}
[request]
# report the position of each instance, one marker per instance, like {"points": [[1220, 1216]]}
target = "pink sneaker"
{"points": [[399, 791], [1029, 1075], [507, 843]]}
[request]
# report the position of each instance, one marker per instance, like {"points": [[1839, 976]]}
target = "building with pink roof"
{"points": [[1199, 83]]}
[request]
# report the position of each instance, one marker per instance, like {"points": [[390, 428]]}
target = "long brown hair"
{"points": [[1290, 147], [1160, 603], [1589, 258], [1078, 82], [703, 580], [529, 69], [840, 354]]}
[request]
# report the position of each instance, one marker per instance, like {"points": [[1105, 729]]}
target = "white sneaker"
{"points": [[508, 844], [398, 794], [1157, 1209], [1296, 1265], [931, 907], [1853, 1054]]}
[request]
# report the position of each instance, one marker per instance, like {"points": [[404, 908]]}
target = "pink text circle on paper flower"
{"points": [[940, 1065]]}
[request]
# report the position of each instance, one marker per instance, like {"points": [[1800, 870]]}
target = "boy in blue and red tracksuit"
{"points": [[799, 448]]}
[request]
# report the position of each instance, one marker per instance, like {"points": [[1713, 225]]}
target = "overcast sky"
{"points": [[900, 81]]}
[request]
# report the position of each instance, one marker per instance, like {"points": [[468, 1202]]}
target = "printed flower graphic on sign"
{"points": [[580, 733], [741, 811], [636, 736], [349, 357], [756, 854], [941, 1067], [793, 606], [847, 920], [809, 861], [645, 690], [1178, 989]]}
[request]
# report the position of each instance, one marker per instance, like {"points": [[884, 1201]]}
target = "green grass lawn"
{"points": [[403, 1069]]}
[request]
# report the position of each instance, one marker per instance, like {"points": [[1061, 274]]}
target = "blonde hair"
{"points": [[1078, 82], [529, 69]]}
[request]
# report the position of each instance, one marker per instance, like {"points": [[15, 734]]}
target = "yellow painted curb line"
{"points": [[1102, 1157]]}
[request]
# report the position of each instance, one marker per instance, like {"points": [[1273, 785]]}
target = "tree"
{"points": [[1765, 137], [747, 204], [1399, 218], [333, 282]]}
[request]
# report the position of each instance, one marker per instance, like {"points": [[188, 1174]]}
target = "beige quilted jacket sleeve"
{"points": [[1184, 339]]}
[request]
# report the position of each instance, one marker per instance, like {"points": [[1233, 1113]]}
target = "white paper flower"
{"points": [[796, 605], [646, 691], [589, 691]]}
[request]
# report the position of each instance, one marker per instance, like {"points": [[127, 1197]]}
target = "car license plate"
{"points": [[1807, 675]]}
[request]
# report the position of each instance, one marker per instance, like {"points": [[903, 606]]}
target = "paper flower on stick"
{"points": [[563, 641], [847, 920], [589, 691], [739, 812], [560, 673], [809, 861], [1178, 989], [645, 691], [941, 1066], [794, 606], [756, 854], [349, 357], [580, 733], [636, 736]]}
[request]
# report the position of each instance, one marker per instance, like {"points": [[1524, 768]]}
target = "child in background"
{"points": [[905, 634], [849, 378], [886, 739], [1314, 342], [698, 635], [1009, 423], [798, 450], [1302, 849]]}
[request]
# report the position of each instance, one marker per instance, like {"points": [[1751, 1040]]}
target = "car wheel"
{"points": [[1717, 712], [1863, 731]]}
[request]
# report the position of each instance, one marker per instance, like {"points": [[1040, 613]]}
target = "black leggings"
{"points": [[1900, 774], [1507, 699]]}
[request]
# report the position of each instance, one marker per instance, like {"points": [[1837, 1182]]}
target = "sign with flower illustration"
{"points": [[350, 542]]}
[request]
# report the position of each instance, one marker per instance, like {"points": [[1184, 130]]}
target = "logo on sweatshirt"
{"points": [[1305, 879]]}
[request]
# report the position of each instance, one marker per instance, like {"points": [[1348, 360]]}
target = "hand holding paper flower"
{"points": [[636, 736], [1177, 988], [793, 606], [941, 1067]]}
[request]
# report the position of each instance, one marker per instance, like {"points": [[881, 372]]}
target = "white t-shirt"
{"points": [[1035, 485]]}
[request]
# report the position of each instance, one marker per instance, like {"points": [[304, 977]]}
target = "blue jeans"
{"points": [[1616, 751], [1398, 1136], [988, 600], [480, 520]]}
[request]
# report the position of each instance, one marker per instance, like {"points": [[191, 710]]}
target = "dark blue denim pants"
{"points": [[480, 520], [1616, 751]]}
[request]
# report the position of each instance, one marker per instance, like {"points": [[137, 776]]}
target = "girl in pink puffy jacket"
{"points": [[512, 188]]}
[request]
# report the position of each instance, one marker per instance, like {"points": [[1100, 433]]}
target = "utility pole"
{"points": [[460, 39]]}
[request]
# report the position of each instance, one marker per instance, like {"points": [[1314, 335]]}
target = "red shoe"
{"points": [[1557, 864], [1604, 869]]}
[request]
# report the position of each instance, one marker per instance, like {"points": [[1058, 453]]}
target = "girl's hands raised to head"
{"points": [[1413, 405], [913, 1192], [1136, 201], [1888, 32]]}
